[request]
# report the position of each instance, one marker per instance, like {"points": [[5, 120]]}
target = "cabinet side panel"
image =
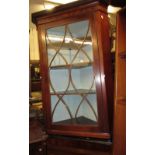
{"points": [[105, 65], [107, 61], [120, 87]]}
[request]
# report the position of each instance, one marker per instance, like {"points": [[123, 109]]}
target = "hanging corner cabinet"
{"points": [[76, 69]]}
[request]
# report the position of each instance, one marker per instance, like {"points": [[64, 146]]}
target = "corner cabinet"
{"points": [[76, 69]]}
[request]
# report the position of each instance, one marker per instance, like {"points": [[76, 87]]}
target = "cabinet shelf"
{"points": [[67, 46], [74, 92], [79, 120], [73, 66]]}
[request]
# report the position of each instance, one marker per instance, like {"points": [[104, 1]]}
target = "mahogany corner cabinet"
{"points": [[76, 69]]}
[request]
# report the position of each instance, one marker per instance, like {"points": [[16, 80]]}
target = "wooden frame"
{"points": [[95, 12]]}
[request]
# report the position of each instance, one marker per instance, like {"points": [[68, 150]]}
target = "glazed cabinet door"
{"points": [[72, 90], [71, 76]]}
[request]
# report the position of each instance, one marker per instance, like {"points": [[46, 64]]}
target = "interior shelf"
{"points": [[74, 92], [73, 66], [66, 46], [79, 120]]}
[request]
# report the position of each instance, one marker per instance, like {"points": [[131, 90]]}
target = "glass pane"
{"points": [[72, 81]]}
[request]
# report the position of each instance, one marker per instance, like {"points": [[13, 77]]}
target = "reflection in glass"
{"points": [[72, 81]]}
